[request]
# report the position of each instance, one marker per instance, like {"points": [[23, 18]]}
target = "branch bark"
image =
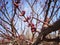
{"points": [[54, 27]]}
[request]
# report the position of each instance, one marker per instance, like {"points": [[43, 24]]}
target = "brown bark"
{"points": [[54, 27]]}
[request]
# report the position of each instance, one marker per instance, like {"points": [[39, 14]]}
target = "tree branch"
{"points": [[54, 27]]}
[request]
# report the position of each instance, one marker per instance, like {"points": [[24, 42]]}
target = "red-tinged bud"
{"points": [[31, 24], [22, 13], [28, 17], [33, 29], [8, 38]]}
